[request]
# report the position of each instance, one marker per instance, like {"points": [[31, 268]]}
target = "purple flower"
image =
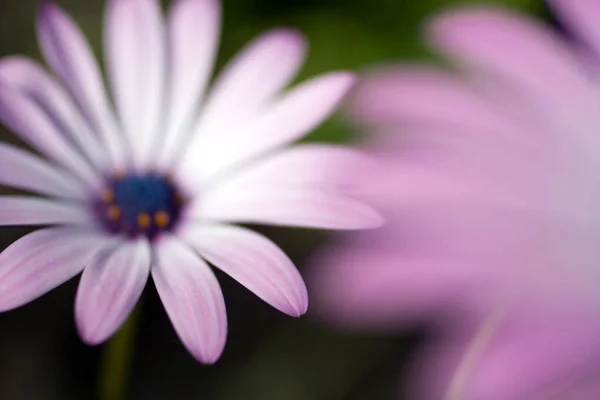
{"points": [[489, 177], [155, 187]]}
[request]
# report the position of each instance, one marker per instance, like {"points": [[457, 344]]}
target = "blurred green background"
{"points": [[269, 356]]}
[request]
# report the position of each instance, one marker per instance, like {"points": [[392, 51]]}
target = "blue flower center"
{"points": [[139, 205]]}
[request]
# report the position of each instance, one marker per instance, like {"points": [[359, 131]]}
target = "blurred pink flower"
{"points": [[155, 188], [489, 178]]}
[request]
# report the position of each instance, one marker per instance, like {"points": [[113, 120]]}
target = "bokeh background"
{"points": [[269, 356]]}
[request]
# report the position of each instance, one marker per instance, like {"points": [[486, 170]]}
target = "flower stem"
{"points": [[116, 361]]}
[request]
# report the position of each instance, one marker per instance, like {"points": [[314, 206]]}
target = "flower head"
{"points": [[488, 176], [150, 180]]}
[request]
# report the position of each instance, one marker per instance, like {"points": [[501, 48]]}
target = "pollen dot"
{"points": [[143, 220], [161, 219], [113, 213]]}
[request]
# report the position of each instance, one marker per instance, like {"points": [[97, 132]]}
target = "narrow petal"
{"points": [[22, 210], [582, 17], [66, 50], [287, 119], [21, 169], [192, 298], [28, 76], [303, 208], [261, 70], [193, 36], [135, 50], [44, 259], [19, 113], [109, 289], [252, 260], [517, 48]]}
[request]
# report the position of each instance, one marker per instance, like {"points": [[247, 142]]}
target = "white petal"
{"points": [[135, 51], [261, 70], [192, 298], [22, 210], [65, 49], [304, 208], [289, 118], [252, 260], [44, 259], [19, 113], [23, 170], [25, 74], [194, 36], [109, 289]]}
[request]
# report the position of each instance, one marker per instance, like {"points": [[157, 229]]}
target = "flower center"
{"points": [[139, 205]]}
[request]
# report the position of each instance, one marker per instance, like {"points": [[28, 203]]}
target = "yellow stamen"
{"points": [[113, 213], [108, 196], [143, 220], [161, 219]]}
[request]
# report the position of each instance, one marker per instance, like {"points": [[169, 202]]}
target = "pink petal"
{"points": [[44, 259], [252, 260], [304, 208], [517, 48], [194, 36], [22, 210], [192, 298], [109, 289], [522, 359], [21, 169], [65, 49], [19, 113], [28, 76], [370, 288], [289, 118], [431, 97], [135, 49], [582, 17]]}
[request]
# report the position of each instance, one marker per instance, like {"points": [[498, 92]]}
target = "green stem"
{"points": [[116, 361]]}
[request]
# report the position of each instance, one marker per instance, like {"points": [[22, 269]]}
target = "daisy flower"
{"points": [[153, 179], [489, 177]]}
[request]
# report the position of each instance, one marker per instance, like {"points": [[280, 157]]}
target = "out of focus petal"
{"points": [[582, 17], [252, 260], [192, 298]]}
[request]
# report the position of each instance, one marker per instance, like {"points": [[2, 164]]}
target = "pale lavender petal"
{"points": [[289, 118], [252, 260], [22, 210], [44, 259], [109, 289], [582, 17], [19, 113], [194, 36], [135, 50], [66, 50], [261, 70], [22, 169], [305, 208], [302, 166], [28, 76], [192, 298]]}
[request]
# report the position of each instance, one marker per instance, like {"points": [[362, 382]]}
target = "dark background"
{"points": [[269, 356]]}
